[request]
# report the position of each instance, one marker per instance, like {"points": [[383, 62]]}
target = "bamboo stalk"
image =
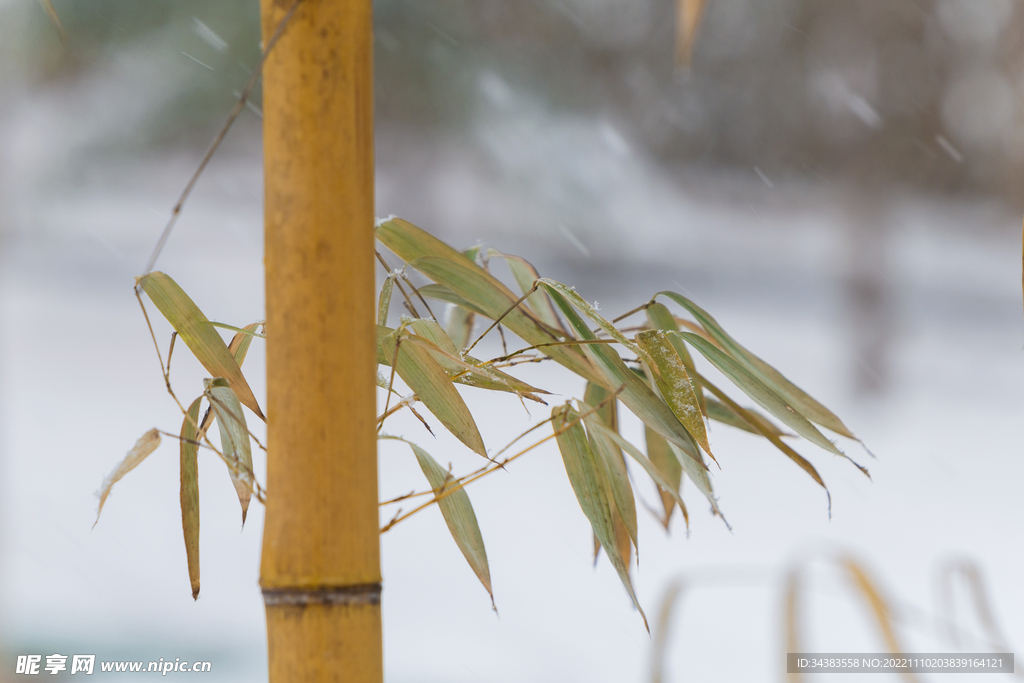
{"points": [[320, 570]]}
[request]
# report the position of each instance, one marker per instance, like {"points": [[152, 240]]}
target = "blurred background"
{"points": [[837, 182]]}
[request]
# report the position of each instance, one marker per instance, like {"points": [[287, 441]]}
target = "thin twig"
{"points": [[405, 496], [502, 316], [572, 342], [170, 350], [462, 482], [420, 418], [416, 291], [235, 111], [644, 307], [501, 333], [391, 380], [408, 302]]}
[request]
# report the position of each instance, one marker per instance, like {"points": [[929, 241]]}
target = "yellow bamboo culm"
{"points": [[320, 570]]}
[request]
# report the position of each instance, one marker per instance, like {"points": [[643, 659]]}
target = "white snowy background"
{"points": [[772, 258]]}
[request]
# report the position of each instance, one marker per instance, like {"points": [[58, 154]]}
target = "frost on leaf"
{"points": [[142, 448]]}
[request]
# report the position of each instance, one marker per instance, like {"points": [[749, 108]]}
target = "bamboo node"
{"points": [[361, 594]]}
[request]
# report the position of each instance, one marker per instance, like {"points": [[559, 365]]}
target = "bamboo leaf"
{"points": [[198, 334], [234, 438], [463, 369], [660, 318], [384, 301], [442, 293], [804, 464], [674, 383], [613, 464], [492, 299], [720, 412], [525, 275], [410, 242], [690, 460], [635, 394], [484, 292], [794, 395], [459, 516], [637, 455], [190, 492], [475, 288], [583, 305], [687, 454], [761, 393], [239, 346], [460, 326], [430, 329], [146, 444], [461, 319], [587, 483], [667, 465], [435, 390], [475, 374]]}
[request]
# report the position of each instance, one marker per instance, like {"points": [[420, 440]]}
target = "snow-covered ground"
{"points": [[79, 382]]}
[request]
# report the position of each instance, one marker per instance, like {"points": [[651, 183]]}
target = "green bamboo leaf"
{"points": [[665, 461], [792, 394], [198, 334], [635, 393], [757, 390], [613, 464], [461, 319], [674, 383], [580, 303], [464, 369], [146, 444], [804, 464], [234, 437], [459, 368], [459, 516], [430, 329], [525, 275], [475, 288], [660, 318], [384, 301], [409, 242], [239, 346], [460, 326], [686, 452], [472, 373], [493, 299], [431, 384], [190, 492], [586, 479], [722, 413], [483, 291], [691, 461], [703, 484], [442, 293]]}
